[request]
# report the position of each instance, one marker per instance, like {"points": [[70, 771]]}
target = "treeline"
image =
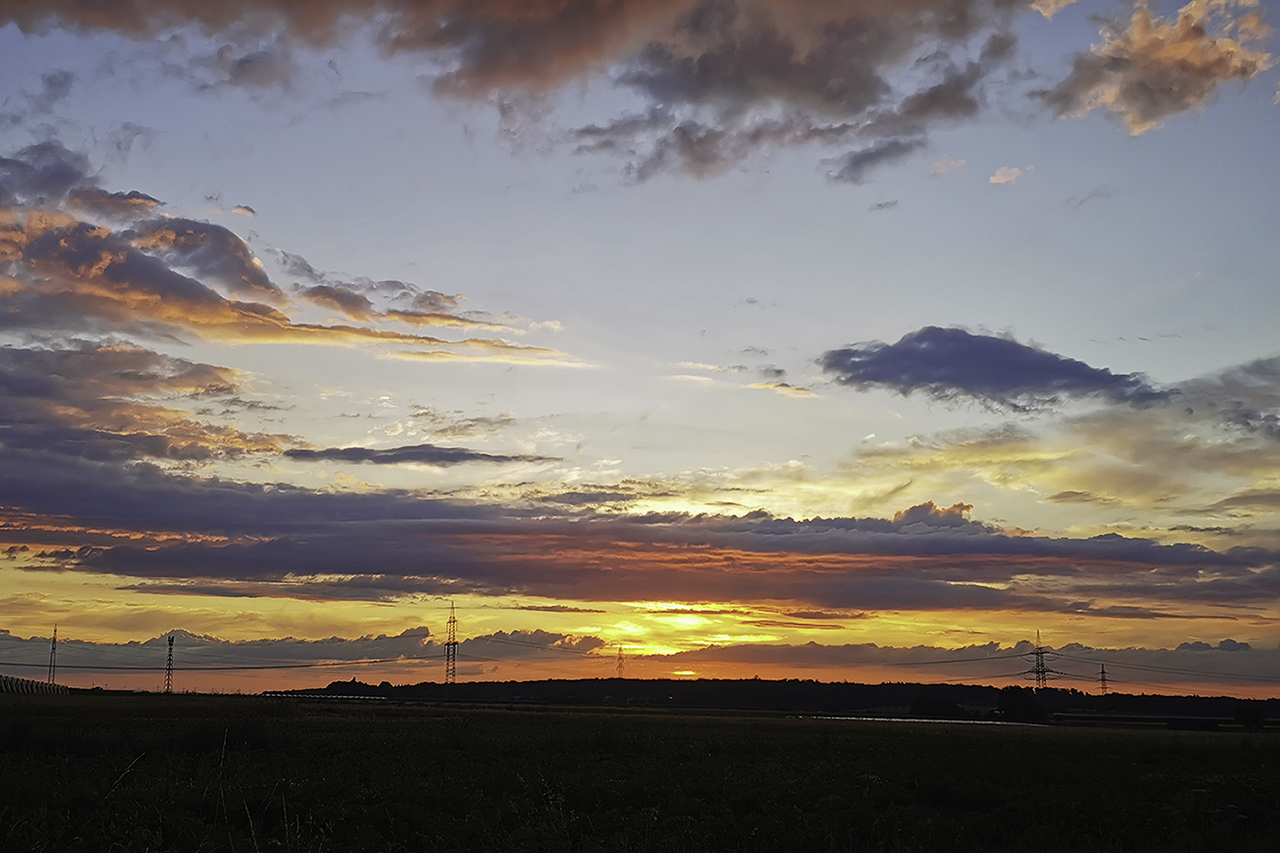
{"points": [[937, 701]]}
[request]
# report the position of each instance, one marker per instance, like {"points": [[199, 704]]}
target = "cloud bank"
{"points": [[717, 80]]}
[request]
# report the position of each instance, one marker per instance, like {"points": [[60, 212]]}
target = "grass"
{"points": [[107, 773]]}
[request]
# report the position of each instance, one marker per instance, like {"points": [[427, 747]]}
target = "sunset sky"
{"points": [[794, 338]]}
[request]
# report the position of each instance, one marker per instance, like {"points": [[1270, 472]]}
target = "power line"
{"points": [[222, 667], [1172, 670], [1010, 656]]}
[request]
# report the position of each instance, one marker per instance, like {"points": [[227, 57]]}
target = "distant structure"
{"points": [[622, 663], [1038, 669], [451, 648], [168, 668], [53, 656], [1102, 678]]}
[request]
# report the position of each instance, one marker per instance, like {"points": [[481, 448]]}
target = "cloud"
{"points": [[784, 388], [925, 558], [203, 651], [55, 86], [1244, 398], [457, 424], [853, 167], [1154, 69], [122, 270], [1227, 664], [947, 364], [946, 166], [421, 454], [354, 297], [1205, 453], [41, 174], [100, 204], [1007, 175], [1049, 8], [207, 251], [98, 402], [719, 81]]}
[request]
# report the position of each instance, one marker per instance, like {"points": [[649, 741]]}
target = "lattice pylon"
{"points": [[168, 668], [451, 648], [53, 656]]}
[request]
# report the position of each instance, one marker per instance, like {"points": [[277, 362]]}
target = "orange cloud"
{"points": [[1155, 69]]}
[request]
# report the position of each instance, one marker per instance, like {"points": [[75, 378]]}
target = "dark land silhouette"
{"points": [[934, 701], [103, 771]]}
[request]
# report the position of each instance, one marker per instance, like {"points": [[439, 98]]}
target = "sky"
{"points": [[834, 339]]}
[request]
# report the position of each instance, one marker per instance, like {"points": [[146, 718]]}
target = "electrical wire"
{"points": [[219, 667], [1174, 670]]}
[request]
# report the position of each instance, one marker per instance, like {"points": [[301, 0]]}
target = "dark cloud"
{"points": [[41, 174], [1250, 500], [589, 498], [354, 305], [422, 454], [1244, 398], [853, 167], [97, 402], [209, 252], [354, 297], [120, 205], [722, 78], [930, 516], [719, 80], [280, 540], [952, 363]]}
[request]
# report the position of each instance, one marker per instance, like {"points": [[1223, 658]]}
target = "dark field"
{"points": [[127, 773]]}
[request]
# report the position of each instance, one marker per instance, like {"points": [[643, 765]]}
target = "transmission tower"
{"points": [[451, 648], [1038, 669], [168, 668], [622, 663], [1102, 678], [53, 655]]}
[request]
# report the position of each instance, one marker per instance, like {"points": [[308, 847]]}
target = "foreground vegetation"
{"points": [[135, 773]]}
